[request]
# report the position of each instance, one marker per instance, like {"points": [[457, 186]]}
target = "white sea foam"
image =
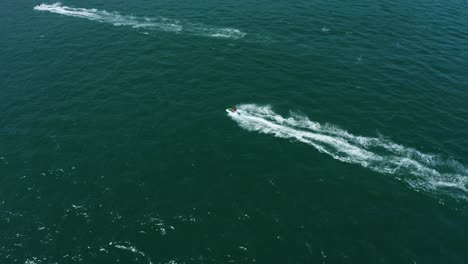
{"points": [[422, 171], [157, 24], [216, 32], [128, 247]]}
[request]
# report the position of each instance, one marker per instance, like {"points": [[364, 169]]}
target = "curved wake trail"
{"points": [[422, 171], [157, 24]]}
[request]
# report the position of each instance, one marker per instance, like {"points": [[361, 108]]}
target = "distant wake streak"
{"points": [[156, 24], [422, 171]]}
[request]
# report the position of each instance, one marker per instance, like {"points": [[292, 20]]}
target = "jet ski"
{"points": [[231, 110]]}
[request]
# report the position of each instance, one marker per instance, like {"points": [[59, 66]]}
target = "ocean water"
{"points": [[350, 144]]}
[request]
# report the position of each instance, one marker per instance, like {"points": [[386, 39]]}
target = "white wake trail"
{"points": [[156, 24], [422, 171]]}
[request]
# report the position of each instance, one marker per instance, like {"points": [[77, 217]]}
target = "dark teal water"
{"points": [[350, 146]]}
